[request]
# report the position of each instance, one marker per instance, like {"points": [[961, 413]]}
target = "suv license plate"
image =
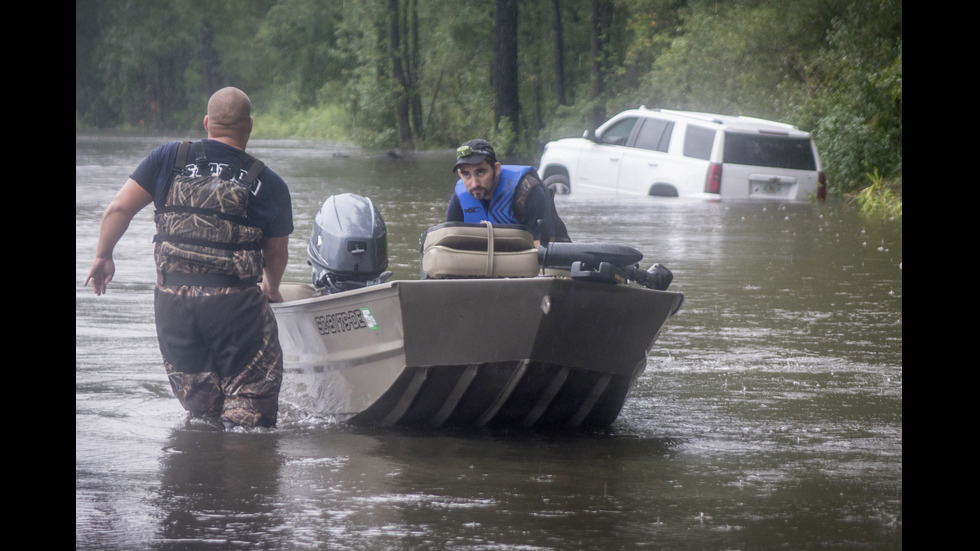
{"points": [[768, 188]]}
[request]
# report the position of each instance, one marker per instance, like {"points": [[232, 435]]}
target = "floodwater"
{"points": [[769, 416]]}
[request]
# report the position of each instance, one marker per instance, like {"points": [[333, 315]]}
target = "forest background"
{"points": [[424, 74]]}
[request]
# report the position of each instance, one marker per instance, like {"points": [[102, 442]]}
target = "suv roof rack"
{"points": [[710, 117], [725, 119], [767, 121]]}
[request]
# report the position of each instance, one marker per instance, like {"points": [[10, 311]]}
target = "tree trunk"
{"points": [[210, 60], [506, 101], [559, 53], [399, 79], [415, 97], [599, 23]]}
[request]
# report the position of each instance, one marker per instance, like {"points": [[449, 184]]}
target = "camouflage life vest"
{"points": [[203, 236]]}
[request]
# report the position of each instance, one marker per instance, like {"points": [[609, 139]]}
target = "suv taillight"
{"points": [[822, 187], [712, 184]]}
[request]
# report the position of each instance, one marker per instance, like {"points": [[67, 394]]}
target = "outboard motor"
{"points": [[604, 262], [349, 246]]}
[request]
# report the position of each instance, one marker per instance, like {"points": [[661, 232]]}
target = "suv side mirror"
{"points": [[590, 135]]}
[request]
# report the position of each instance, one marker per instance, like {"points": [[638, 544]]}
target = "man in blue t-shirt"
{"points": [[502, 194], [216, 330]]}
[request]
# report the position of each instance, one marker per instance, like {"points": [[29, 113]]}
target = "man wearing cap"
{"points": [[502, 194]]}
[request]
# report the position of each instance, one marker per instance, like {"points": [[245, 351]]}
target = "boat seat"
{"points": [[459, 249]]}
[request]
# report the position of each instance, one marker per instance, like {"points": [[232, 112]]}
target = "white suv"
{"points": [[688, 154]]}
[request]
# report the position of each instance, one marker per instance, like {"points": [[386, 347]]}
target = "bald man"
{"points": [[215, 328], [229, 115]]}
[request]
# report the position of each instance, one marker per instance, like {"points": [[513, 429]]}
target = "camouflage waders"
{"points": [[221, 352]]}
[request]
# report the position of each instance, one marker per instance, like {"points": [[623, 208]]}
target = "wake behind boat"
{"points": [[495, 332]]}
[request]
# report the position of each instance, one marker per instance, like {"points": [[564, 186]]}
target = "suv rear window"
{"points": [[654, 135], [772, 151], [698, 142]]}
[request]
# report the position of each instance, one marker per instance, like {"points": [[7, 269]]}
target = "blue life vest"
{"points": [[501, 204]]}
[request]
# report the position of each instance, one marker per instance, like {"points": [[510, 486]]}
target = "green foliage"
{"points": [[324, 69], [833, 67], [300, 41], [331, 122], [882, 198], [568, 121], [854, 97]]}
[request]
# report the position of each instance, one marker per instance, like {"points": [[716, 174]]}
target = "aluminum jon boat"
{"points": [[495, 333]]}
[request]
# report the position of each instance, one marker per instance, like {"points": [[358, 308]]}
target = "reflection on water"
{"points": [[208, 493], [770, 414]]}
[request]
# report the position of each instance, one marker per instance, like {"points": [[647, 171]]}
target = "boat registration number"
{"points": [[342, 322]]}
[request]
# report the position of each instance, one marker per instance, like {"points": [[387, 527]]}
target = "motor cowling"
{"points": [[348, 248]]}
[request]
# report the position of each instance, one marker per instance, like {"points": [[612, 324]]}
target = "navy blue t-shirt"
{"points": [[269, 208]]}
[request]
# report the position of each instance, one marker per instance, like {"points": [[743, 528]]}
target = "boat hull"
{"points": [[528, 352]]}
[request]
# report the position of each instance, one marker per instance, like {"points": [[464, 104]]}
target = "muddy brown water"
{"points": [[769, 416]]}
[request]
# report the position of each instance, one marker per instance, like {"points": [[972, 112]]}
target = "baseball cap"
{"points": [[474, 152]]}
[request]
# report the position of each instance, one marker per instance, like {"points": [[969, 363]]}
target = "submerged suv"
{"points": [[688, 154]]}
